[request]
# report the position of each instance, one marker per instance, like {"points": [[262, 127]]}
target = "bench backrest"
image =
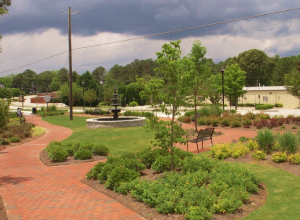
{"points": [[205, 133]]}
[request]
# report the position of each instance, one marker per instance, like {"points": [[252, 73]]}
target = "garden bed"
{"points": [[286, 166], [255, 201], [70, 160]]}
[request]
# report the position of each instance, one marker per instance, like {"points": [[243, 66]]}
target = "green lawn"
{"points": [[118, 140], [283, 201]]}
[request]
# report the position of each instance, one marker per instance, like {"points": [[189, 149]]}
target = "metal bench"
{"points": [[96, 111], [203, 135]]}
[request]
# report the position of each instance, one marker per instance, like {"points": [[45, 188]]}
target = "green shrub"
{"points": [[37, 131], [100, 149], [243, 139], [215, 110], [204, 111], [86, 146], [93, 173], [214, 122], [201, 121], [221, 151], [56, 153], [5, 142], [259, 155], [263, 106], [288, 142], [294, 159], [189, 113], [278, 105], [118, 175], [163, 163], [225, 122], [70, 148], [184, 119], [15, 139], [235, 124], [232, 111], [83, 154], [132, 104], [147, 157], [265, 140], [133, 164], [207, 121], [279, 157], [252, 145], [198, 212]]}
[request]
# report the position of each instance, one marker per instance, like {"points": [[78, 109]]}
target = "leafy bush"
{"points": [[239, 150], [278, 105], [225, 122], [15, 139], [273, 123], [37, 131], [204, 111], [118, 175], [86, 146], [288, 142], [243, 139], [163, 163], [221, 151], [265, 140], [93, 173], [207, 121], [4, 142], [294, 159], [189, 113], [132, 104], [214, 122], [263, 106], [235, 124], [247, 123], [83, 154], [55, 151], [184, 119], [252, 145], [279, 157], [259, 155], [201, 121], [100, 149]]}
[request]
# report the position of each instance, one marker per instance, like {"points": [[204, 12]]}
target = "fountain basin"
{"points": [[121, 122]]}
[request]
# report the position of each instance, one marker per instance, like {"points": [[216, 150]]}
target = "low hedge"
{"points": [[263, 106]]}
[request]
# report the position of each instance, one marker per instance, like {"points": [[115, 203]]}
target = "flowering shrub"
{"points": [[259, 155], [294, 159], [279, 157]]}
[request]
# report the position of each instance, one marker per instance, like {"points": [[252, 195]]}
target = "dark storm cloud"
{"points": [[139, 17]]}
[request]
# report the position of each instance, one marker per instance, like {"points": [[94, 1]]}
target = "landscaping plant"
{"points": [[288, 142], [259, 155], [279, 157], [265, 140]]}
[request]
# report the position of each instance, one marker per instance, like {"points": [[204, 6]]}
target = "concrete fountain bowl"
{"points": [[121, 122]]}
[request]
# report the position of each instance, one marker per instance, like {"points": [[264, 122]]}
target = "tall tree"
{"points": [[7, 81], [63, 75], [76, 92], [213, 88], [284, 66], [171, 66], [43, 81], [199, 72], [99, 73], [90, 96], [234, 82], [257, 65], [292, 82]]}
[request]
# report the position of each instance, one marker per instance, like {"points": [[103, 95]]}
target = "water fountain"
{"points": [[115, 121]]}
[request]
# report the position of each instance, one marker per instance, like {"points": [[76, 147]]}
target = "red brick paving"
{"points": [[33, 191]]}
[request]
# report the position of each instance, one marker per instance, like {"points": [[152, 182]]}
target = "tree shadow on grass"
{"points": [[4, 180]]}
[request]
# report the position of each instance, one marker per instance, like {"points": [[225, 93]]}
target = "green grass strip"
{"points": [[118, 140]]}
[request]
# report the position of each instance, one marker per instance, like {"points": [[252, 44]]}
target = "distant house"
{"points": [[2, 86]]}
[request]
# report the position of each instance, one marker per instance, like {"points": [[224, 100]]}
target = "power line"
{"points": [[191, 28], [168, 32]]}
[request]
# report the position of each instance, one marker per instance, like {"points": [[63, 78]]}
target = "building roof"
{"points": [[265, 88]]}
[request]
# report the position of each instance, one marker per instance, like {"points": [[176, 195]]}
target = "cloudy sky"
{"points": [[37, 29]]}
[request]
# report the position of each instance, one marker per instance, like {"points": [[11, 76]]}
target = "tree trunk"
{"points": [[196, 116]]}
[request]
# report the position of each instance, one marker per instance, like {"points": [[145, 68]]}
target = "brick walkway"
{"points": [[31, 190]]}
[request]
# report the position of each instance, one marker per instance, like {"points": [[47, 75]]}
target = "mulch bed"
{"points": [[255, 201], [70, 160]]}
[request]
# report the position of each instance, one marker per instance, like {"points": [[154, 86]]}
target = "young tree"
{"points": [[213, 88], [4, 107], [292, 82], [200, 71], [90, 96], [234, 81], [76, 91], [174, 72]]}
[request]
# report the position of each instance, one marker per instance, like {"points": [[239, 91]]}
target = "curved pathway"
{"points": [[31, 190]]}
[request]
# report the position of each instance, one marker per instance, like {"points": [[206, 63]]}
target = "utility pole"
{"points": [[70, 63]]}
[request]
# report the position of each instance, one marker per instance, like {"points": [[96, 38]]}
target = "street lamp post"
{"points": [[83, 95], [222, 71], [22, 98]]}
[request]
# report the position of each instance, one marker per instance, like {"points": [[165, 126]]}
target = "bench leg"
{"points": [[197, 146]]}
